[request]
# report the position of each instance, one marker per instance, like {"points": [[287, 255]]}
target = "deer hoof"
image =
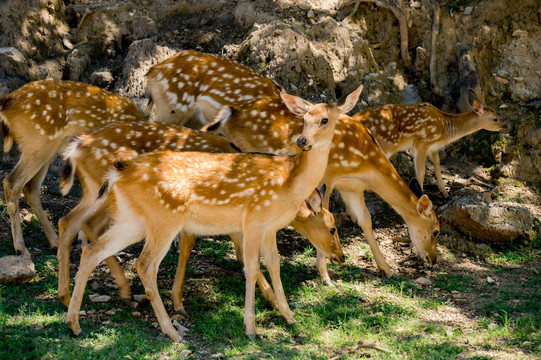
{"points": [[253, 337]]}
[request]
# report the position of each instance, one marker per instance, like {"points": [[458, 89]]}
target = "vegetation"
{"points": [[407, 320]]}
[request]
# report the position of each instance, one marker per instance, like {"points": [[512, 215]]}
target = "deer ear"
{"points": [[295, 104], [415, 187], [346, 103], [315, 201], [478, 107], [223, 115], [424, 206], [304, 211], [474, 102]]}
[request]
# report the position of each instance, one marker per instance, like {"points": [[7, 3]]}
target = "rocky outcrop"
{"points": [[487, 221]]}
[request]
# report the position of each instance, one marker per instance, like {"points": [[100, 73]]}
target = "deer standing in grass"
{"points": [[158, 195], [40, 117], [426, 129], [90, 156], [264, 123]]}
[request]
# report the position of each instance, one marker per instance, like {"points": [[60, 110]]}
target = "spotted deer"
{"points": [[191, 87], [425, 129], [91, 155], [356, 163], [158, 195], [40, 117]]}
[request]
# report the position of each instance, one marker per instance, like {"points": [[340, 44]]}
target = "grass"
{"points": [[396, 314]]}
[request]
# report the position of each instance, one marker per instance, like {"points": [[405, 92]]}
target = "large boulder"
{"points": [[488, 222]]}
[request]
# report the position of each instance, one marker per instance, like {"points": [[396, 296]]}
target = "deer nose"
{"points": [[301, 142], [337, 259]]}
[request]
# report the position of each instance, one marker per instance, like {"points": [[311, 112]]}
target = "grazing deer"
{"points": [[158, 195], [356, 163], [40, 117], [91, 156], [191, 87], [425, 129]]}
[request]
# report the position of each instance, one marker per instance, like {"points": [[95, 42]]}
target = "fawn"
{"points": [[91, 155], [158, 195], [356, 163], [40, 116], [425, 129], [190, 87]]}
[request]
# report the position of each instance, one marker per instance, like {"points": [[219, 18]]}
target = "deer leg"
{"points": [[186, 244], [435, 159], [264, 285], [251, 244], [321, 265], [127, 230], [355, 203], [32, 193], [26, 168], [272, 261], [68, 226], [93, 228], [156, 247], [419, 160]]}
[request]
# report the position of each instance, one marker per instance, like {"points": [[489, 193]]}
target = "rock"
{"points": [[468, 10], [82, 313], [16, 269], [13, 62], [110, 312], [101, 79], [136, 313], [410, 95], [423, 281], [97, 298], [181, 329], [492, 326], [139, 297], [501, 80], [78, 62], [142, 55], [492, 222], [184, 354], [490, 280]]}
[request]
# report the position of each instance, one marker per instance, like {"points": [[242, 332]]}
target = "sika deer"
{"points": [[40, 116], [91, 155], [356, 163], [425, 129], [158, 195], [191, 87]]}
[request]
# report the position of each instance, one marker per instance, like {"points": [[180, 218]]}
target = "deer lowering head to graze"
{"points": [[40, 117], [425, 129], [159, 195], [356, 163], [191, 87], [90, 156]]}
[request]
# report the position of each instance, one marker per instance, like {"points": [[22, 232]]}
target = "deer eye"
{"points": [[323, 121], [333, 231], [436, 233]]}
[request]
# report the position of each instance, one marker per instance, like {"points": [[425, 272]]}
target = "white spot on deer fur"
{"points": [[172, 97]]}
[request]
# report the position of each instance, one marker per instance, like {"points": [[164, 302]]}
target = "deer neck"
{"points": [[460, 125], [308, 168], [394, 191]]}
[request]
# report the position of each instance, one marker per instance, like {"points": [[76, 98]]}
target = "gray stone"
{"points": [[410, 95], [16, 269], [13, 62], [101, 79], [97, 298], [488, 222]]}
